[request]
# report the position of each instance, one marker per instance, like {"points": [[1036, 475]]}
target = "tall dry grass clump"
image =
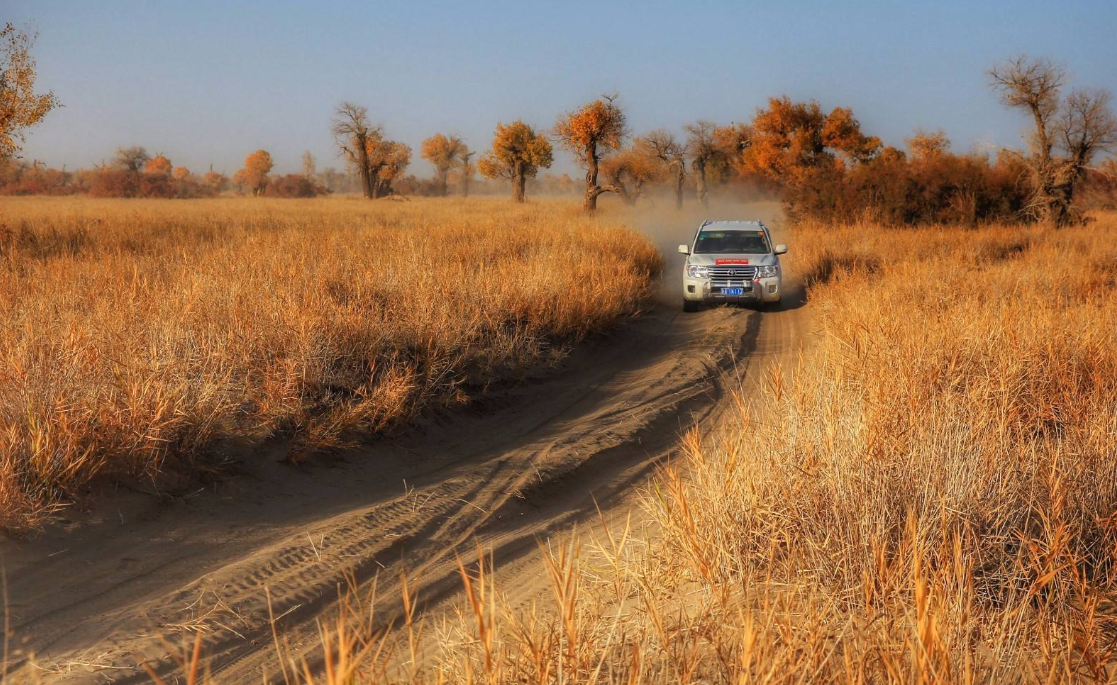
{"points": [[929, 496], [932, 494], [139, 336]]}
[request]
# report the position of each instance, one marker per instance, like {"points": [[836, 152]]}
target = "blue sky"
{"points": [[207, 82]]}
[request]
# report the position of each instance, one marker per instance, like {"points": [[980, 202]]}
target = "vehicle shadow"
{"points": [[793, 298]]}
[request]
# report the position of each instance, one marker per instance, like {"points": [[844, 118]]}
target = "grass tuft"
{"points": [[141, 337]]}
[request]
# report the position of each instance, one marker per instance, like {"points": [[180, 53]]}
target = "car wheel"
{"points": [[690, 306]]}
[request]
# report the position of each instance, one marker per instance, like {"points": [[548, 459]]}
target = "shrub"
{"points": [[293, 185], [124, 183], [37, 180], [157, 185], [892, 189], [115, 183]]}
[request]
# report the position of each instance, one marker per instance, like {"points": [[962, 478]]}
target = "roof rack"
{"points": [[707, 222]]}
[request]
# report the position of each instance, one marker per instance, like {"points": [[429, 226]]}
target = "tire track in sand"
{"points": [[527, 463]]}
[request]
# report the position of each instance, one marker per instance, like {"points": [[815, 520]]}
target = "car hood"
{"points": [[752, 259]]}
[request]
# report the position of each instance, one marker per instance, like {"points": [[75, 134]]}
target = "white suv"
{"points": [[731, 261]]}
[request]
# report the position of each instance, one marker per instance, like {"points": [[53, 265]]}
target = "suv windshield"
{"points": [[731, 242]]}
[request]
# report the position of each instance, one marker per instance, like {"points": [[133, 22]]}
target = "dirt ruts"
{"points": [[88, 602]]}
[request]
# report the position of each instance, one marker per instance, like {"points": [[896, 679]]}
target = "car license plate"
{"points": [[733, 292]]}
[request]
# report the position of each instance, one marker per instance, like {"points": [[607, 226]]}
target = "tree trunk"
{"points": [[698, 166], [589, 205], [368, 182], [519, 184], [1060, 203], [366, 172], [1061, 192], [622, 190], [616, 182], [1050, 203], [680, 174]]}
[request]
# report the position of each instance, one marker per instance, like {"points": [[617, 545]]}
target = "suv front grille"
{"points": [[731, 274]]}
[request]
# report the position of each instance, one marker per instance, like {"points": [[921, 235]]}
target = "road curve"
{"points": [[88, 603]]}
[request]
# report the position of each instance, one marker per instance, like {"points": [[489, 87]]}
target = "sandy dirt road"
{"points": [[88, 602]]}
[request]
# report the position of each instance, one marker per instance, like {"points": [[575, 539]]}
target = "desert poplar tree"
{"points": [[159, 165], [310, 166], [1067, 132], [20, 106], [732, 142], [704, 151], [790, 140], [352, 131], [387, 159], [588, 133], [444, 153], [467, 171], [925, 145], [630, 170], [517, 154], [132, 159], [254, 174], [661, 145]]}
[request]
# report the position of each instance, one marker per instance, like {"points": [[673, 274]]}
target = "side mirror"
{"points": [[684, 249], [781, 249]]}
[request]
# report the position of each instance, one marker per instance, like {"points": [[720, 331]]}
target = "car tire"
{"points": [[690, 306]]}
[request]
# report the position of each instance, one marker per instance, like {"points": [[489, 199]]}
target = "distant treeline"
{"points": [[821, 164], [927, 183], [119, 179]]}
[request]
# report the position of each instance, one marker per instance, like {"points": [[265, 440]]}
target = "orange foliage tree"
{"points": [[388, 159], [215, 181], [181, 173], [804, 150], [20, 106], [444, 153], [588, 132], [379, 161], [790, 139], [254, 175], [630, 170], [517, 154], [159, 164], [732, 142], [925, 145]]}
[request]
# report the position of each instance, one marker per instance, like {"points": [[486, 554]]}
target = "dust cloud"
{"points": [[668, 228]]}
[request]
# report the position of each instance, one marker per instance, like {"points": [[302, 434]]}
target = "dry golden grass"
{"points": [[930, 496], [141, 337]]}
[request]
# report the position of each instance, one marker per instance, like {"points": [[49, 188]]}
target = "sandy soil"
{"points": [[90, 599]]}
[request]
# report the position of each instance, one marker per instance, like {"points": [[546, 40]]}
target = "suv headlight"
{"points": [[767, 271], [697, 271]]}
